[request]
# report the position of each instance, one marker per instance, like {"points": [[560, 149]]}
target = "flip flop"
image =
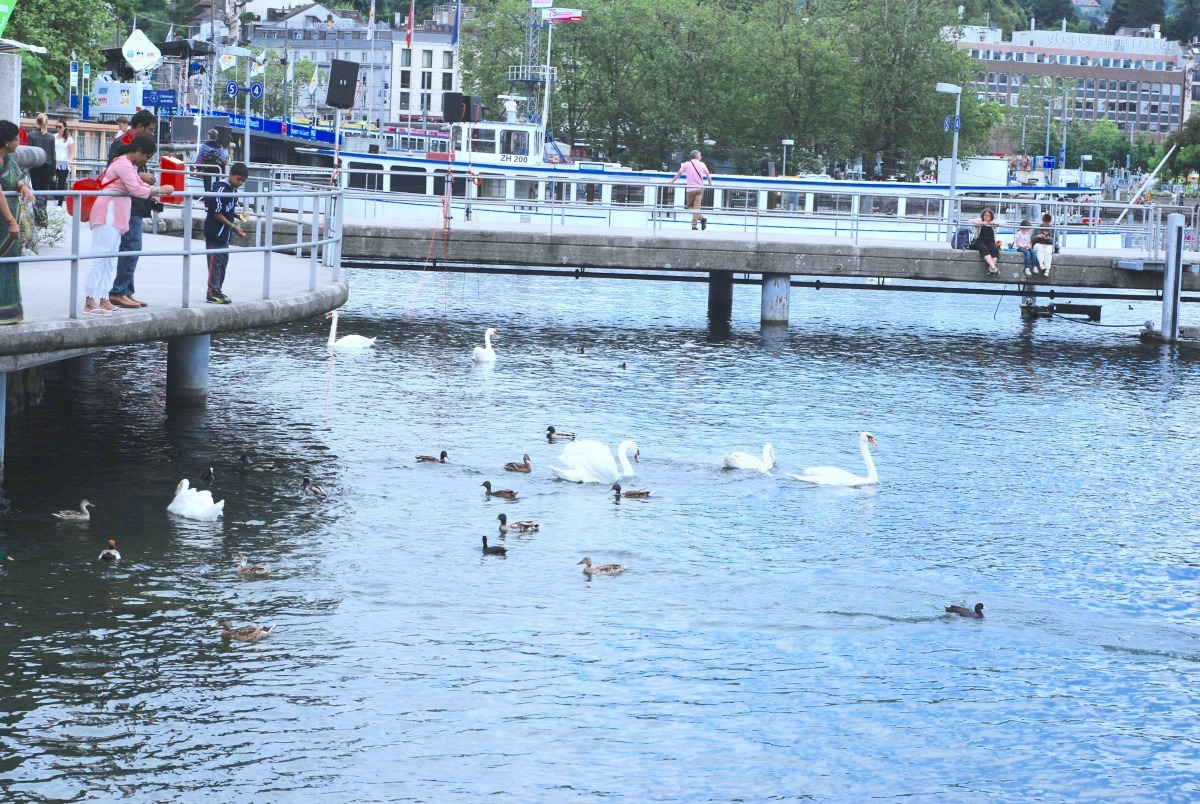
{"points": [[97, 311]]}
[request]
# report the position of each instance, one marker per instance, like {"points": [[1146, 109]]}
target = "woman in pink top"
{"points": [[697, 175], [110, 219]]}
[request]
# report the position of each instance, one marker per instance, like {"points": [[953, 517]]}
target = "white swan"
{"points": [[833, 476], [194, 504], [591, 462], [744, 460], [346, 341], [485, 353]]}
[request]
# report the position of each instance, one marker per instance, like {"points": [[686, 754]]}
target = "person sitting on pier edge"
{"points": [[220, 225], [697, 174], [985, 241], [1023, 242], [1043, 243]]}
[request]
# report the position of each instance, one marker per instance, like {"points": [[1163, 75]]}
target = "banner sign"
{"points": [[159, 97], [6, 10], [541, 3], [562, 15], [139, 51]]}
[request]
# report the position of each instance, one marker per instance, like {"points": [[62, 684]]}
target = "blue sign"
{"points": [[256, 90], [232, 89], [957, 123], [946, 124], [159, 97]]}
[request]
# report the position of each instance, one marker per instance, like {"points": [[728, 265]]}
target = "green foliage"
{"points": [[1187, 160], [1184, 24], [1050, 13], [60, 28], [1135, 14]]}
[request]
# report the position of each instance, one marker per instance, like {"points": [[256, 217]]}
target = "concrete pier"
{"points": [[720, 296], [776, 291], [187, 370]]}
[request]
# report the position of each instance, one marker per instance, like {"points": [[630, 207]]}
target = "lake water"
{"points": [[768, 641]]}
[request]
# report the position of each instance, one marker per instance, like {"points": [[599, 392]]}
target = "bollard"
{"points": [[776, 289], [1172, 278], [720, 296], [187, 370]]}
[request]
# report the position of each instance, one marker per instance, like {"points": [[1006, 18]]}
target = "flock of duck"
{"points": [[198, 504]]}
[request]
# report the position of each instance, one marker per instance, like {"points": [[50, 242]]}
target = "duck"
{"points": [[633, 494], [525, 467], [312, 489], [346, 341], [504, 494], [4, 557], [251, 466], [744, 460], [81, 515], [430, 459], [603, 569], [209, 475], [195, 504], [493, 550], [963, 611], [485, 353], [553, 435], [833, 476], [244, 633], [248, 570], [110, 553], [523, 526]]}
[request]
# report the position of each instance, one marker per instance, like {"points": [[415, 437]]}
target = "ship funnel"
{"points": [[510, 111]]}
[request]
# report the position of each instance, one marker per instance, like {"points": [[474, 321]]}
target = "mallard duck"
{"points": [[209, 475], [633, 494], [504, 494], [248, 570], [430, 459], [526, 467], [553, 435], [312, 489], [250, 466], [963, 611], [244, 633], [524, 526], [82, 515], [603, 569], [110, 553], [494, 550]]}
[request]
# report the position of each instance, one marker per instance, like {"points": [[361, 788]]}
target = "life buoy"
{"points": [[474, 178]]}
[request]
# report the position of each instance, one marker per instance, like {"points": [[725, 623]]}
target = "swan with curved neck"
{"points": [[485, 353], [744, 460], [591, 462], [346, 341], [833, 476]]}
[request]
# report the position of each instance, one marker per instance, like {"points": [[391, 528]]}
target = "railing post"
{"points": [[312, 249], [337, 241], [270, 232], [187, 249], [76, 210], [1172, 278]]}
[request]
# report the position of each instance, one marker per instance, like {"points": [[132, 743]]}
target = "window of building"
{"points": [[406, 79], [1158, 65], [426, 58], [426, 101], [447, 82], [405, 101], [406, 58], [448, 60], [426, 80]]}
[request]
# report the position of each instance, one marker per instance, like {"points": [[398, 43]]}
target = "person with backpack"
{"points": [[43, 175], [211, 159]]}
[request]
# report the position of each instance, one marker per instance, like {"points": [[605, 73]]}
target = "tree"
{"points": [[1049, 13], [1185, 24], [60, 28], [1134, 14]]}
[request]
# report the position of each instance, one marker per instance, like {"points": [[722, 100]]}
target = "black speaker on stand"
{"points": [[343, 84], [453, 107]]}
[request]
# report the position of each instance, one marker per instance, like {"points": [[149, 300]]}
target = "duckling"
{"points": [[249, 466], [524, 526], [504, 494], [525, 468], [494, 550], [312, 489], [633, 494], [603, 569], [82, 515], [963, 611], [248, 570], [430, 459], [110, 553], [244, 633], [553, 435]]}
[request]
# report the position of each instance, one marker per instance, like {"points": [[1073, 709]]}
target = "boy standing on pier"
{"points": [[220, 225]]}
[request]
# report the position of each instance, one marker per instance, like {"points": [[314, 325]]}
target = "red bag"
{"points": [[86, 202]]}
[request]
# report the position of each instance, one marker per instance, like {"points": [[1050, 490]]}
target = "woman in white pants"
{"points": [[1043, 244]]}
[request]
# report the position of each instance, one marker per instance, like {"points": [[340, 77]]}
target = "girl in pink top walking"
{"points": [[697, 175]]}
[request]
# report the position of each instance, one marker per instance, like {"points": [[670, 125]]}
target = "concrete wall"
{"points": [[10, 87]]}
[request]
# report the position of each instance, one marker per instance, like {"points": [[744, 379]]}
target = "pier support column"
{"points": [[776, 289], [187, 370], [1172, 278], [720, 296], [3, 417]]}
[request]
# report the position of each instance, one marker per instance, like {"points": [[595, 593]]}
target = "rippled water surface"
{"points": [[769, 640]]}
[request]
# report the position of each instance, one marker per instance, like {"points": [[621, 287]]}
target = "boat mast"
{"points": [[523, 79]]}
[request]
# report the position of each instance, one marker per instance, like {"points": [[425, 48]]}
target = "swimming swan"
{"points": [[833, 476], [591, 462], [485, 353], [193, 504], [346, 341], [744, 460]]}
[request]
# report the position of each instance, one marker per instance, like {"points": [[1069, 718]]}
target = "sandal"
{"points": [[97, 311]]}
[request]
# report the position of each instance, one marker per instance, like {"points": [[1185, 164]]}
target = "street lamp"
{"points": [[956, 91], [786, 143]]}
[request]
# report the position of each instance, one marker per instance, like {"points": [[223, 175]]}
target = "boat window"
{"points": [[438, 145], [741, 199], [439, 184], [555, 189], [408, 180], [878, 205], [588, 193], [491, 186], [664, 197], [827, 202], [365, 176], [457, 138], [514, 142], [524, 190], [483, 141], [923, 207], [629, 194]]}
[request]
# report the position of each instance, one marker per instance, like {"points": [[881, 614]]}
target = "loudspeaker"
{"points": [[343, 84], [453, 107], [474, 111]]}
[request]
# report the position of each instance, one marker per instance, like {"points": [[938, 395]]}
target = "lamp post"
{"points": [[786, 143], [956, 91]]}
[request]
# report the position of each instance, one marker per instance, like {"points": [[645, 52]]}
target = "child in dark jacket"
{"points": [[220, 225]]}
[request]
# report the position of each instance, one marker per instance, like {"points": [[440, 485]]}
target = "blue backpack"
{"points": [[962, 238]]}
